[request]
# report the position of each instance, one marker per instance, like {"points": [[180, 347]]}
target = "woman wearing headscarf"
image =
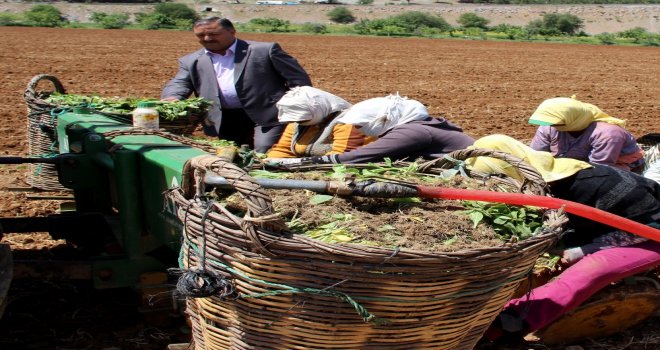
{"points": [[313, 129], [404, 130], [569, 128], [602, 257]]}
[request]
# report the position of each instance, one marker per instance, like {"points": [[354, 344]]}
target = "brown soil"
{"points": [[485, 87]]}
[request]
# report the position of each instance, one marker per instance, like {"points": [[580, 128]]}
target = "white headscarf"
{"points": [[308, 106], [378, 115]]}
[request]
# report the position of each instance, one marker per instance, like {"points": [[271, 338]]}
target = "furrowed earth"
{"points": [[485, 87]]}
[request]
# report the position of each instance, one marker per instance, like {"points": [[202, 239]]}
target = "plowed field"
{"points": [[486, 87]]}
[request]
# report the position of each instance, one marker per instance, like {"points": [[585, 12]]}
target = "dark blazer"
{"points": [[263, 73]]}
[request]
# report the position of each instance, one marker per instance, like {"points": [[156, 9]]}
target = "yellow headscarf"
{"points": [[570, 114], [550, 168]]}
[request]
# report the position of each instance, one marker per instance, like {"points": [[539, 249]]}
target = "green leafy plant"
{"points": [[110, 21], [315, 28], [472, 20], [606, 38], [168, 110], [177, 11], [507, 221], [271, 24]]}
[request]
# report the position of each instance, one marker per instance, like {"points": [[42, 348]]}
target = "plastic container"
{"points": [[146, 115], [227, 153]]}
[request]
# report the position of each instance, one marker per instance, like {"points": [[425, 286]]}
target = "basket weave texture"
{"points": [[41, 132], [294, 292]]}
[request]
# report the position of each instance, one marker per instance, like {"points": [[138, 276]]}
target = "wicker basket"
{"points": [[285, 291], [41, 133], [42, 124]]}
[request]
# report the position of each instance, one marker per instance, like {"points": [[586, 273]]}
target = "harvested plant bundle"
{"points": [[168, 110]]}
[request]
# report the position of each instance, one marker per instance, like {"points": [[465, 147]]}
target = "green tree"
{"points": [[45, 16], [110, 21], [472, 20], [556, 24], [177, 11], [415, 19], [637, 34], [406, 23], [155, 20], [341, 15]]}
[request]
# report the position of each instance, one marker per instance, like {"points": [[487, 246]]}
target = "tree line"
{"points": [[551, 27]]}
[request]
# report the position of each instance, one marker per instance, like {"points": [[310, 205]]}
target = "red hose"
{"points": [[582, 210]]}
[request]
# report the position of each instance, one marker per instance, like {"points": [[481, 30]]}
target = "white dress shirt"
{"points": [[224, 70]]}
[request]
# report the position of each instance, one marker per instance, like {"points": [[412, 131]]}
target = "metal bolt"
{"points": [[94, 138]]}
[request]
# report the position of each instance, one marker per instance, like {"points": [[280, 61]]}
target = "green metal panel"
{"points": [[130, 180]]}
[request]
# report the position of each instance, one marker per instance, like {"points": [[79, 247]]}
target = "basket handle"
{"points": [[528, 172], [260, 214], [31, 91]]}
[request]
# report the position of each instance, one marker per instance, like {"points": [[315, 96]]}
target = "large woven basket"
{"points": [[41, 133], [284, 291], [42, 124]]}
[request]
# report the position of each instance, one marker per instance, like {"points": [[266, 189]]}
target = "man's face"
{"points": [[214, 37]]}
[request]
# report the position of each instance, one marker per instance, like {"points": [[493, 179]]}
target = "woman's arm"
{"points": [[401, 142], [606, 143], [282, 149], [541, 140]]}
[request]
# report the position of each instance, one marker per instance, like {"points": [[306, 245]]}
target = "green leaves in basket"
{"points": [[320, 198], [333, 232], [214, 142], [387, 169], [168, 110], [506, 220]]}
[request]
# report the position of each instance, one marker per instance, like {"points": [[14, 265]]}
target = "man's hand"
{"points": [[169, 99]]}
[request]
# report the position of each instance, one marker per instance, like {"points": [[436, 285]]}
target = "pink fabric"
{"points": [[582, 280]]}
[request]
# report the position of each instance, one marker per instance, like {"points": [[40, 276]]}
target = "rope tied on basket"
{"points": [[283, 288], [200, 282]]}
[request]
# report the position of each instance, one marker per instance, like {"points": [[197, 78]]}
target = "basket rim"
{"points": [[267, 235]]}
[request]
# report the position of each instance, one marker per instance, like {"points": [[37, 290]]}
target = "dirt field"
{"points": [[485, 87]]}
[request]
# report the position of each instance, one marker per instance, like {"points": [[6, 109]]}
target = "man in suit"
{"points": [[244, 79]]}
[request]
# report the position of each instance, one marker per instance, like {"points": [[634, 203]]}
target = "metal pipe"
{"points": [[277, 184], [22, 160]]}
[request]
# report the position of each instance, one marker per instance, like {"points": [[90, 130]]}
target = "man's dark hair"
{"points": [[223, 22]]}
